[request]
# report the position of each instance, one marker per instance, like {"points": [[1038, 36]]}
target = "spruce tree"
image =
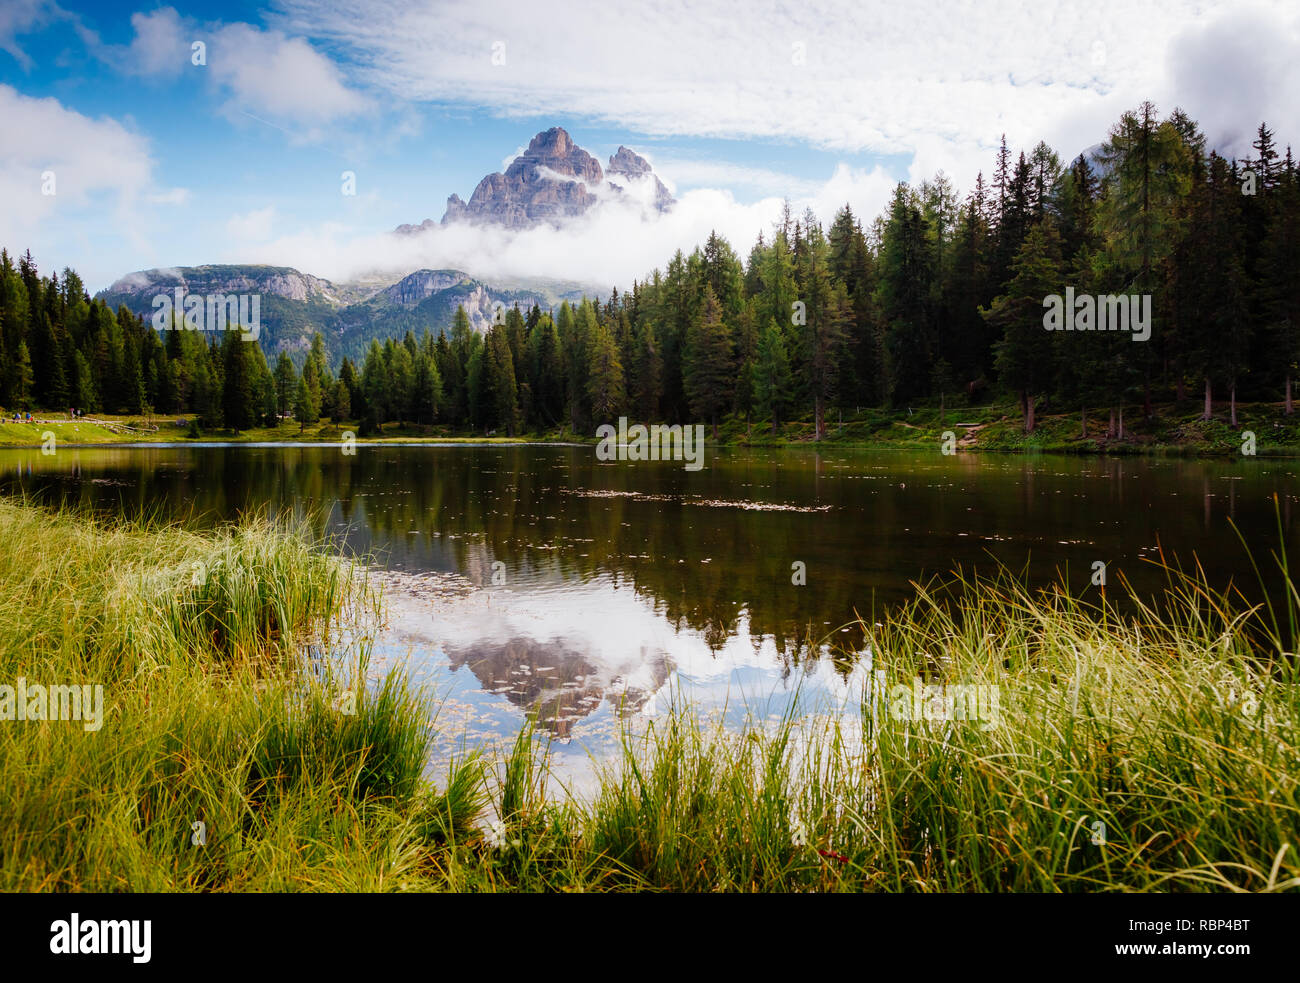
{"points": [[709, 371], [1024, 356], [771, 376]]}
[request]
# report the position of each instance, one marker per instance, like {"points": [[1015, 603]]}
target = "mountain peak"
{"points": [[628, 162], [552, 181], [632, 166], [555, 141]]}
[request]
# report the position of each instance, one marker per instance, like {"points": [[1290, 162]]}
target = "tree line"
{"points": [[936, 297]]}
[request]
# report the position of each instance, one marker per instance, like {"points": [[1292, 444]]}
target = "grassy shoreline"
{"points": [[992, 428], [1180, 732]]}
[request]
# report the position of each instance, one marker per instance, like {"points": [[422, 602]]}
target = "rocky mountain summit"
{"points": [[632, 166], [552, 181]]}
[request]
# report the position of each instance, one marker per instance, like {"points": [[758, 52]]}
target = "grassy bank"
{"points": [[1171, 430], [1178, 732]]}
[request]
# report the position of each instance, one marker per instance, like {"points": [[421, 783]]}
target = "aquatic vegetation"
{"points": [[1153, 748]]}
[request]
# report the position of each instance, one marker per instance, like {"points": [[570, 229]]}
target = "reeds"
{"points": [[1153, 748]]}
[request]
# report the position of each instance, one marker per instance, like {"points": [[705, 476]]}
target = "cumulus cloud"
{"points": [[160, 46], [282, 76], [92, 162], [256, 72]]}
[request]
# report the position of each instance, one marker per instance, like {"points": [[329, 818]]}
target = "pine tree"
{"points": [[237, 389], [1281, 287], [375, 384], [286, 378], [771, 376], [708, 370], [24, 377], [433, 394], [85, 396], [341, 406], [546, 372], [1213, 279], [400, 380], [903, 295], [303, 410], [604, 375], [1140, 215], [504, 408], [1024, 355]]}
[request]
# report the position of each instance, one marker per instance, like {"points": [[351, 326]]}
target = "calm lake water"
{"points": [[537, 579]]}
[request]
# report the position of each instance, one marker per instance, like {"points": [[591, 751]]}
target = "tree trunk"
{"points": [[1083, 431], [1289, 407], [1146, 397], [1121, 423], [774, 423], [1209, 401], [1110, 428], [1232, 403], [1180, 391], [1029, 420]]}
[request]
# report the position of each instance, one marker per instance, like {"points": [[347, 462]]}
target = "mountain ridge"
{"points": [[295, 304]]}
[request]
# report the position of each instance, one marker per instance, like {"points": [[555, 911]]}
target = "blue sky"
{"points": [[161, 162]]}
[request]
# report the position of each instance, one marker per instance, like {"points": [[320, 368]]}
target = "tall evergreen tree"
{"points": [[708, 370]]}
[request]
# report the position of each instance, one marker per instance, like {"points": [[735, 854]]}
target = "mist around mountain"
{"points": [[552, 182]]}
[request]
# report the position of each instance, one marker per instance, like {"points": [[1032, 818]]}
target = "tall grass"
{"points": [[1151, 749], [222, 762]]}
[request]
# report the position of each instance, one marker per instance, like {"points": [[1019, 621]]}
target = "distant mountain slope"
{"points": [[294, 305]]}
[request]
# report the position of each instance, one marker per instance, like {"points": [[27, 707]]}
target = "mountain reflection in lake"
{"points": [[537, 580]]}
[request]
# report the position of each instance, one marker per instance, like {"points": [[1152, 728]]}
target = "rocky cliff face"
{"points": [[553, 180], [631, 166], [550, 181], [278, 281], [421, 285]]}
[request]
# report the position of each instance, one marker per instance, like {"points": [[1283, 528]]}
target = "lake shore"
{"points": [[996, 428], [1151, 752]]}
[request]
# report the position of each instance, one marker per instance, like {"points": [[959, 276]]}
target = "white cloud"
{"points": [[19, 17], [933, 79], [160, 46], [258, 72], [267, 72], [94, 162], [677, 171], [254, 226], [611, 245], [172, 196], [507, 161]]}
